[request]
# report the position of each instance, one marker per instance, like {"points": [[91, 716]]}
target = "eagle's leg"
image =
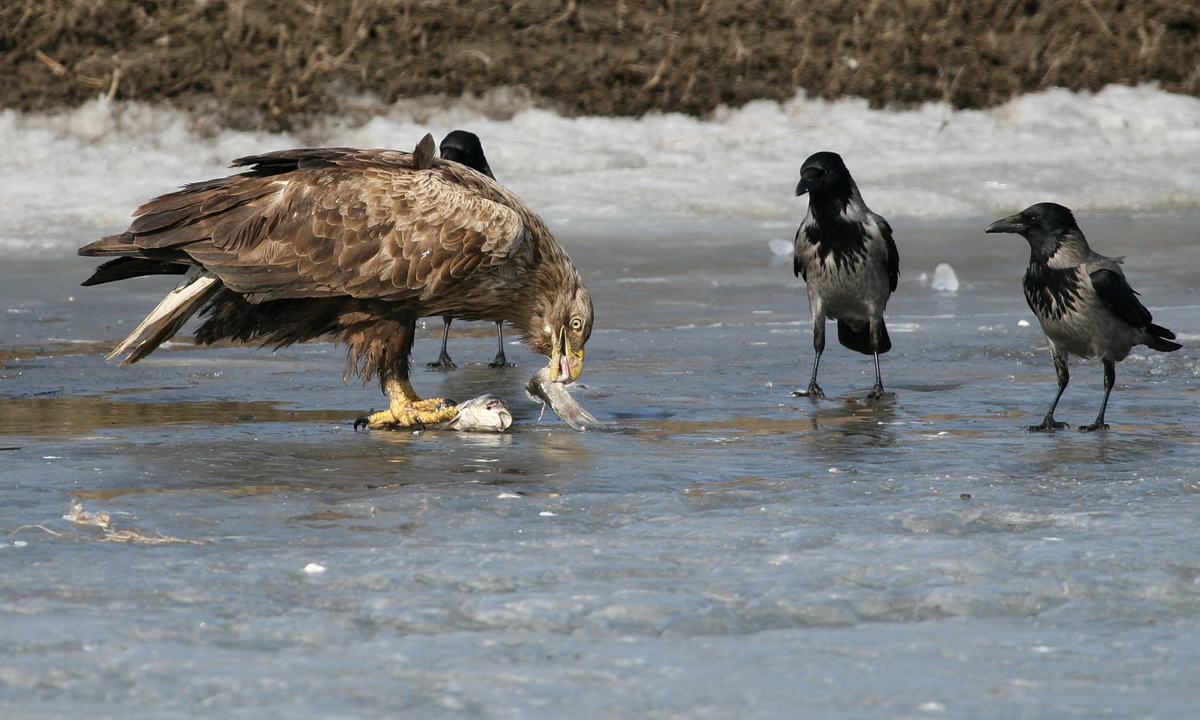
{"points": [[1110, 379], [444, 362], [384, 346], [408, 410], [1064, 377]]}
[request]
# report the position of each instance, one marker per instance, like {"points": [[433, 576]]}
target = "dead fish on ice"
{"points": [[544, 389], [486, 413]]}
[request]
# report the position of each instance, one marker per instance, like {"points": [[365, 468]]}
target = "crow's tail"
{"points": [[860, 340], [1159, 338]]}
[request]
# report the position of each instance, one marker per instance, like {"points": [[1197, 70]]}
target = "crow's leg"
{"points": [[1110, 379], [877, 332], [444, 362], [877, 392], [814, 390], [1064, 377], [500, 360]]}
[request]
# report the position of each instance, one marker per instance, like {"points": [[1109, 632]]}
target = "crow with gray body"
{"points": [[849, 263], [1082, 300], [464, 148]]}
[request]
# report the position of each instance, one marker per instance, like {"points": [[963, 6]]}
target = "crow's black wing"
{"points": [[893, 255], [1114, 291]]}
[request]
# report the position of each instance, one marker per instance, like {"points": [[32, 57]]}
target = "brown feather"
{"points": [[123, 268], [425, 152], [357, 244]]}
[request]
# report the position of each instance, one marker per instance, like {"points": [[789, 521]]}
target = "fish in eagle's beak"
{"points": [[549, 384]]}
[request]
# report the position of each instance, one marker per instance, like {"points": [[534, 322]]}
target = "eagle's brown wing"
{"points": [[317, 223]]}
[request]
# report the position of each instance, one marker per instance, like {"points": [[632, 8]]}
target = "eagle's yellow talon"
{"points": [[383, 420], [440, 411], [434, 404], [421, 413]]}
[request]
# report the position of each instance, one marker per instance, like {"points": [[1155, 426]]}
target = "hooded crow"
{"points": [[464, 148], [849, 263], [1082, 300]]}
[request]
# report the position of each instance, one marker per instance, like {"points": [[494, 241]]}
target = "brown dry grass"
{"points": [[274, 63], [103, 520]]}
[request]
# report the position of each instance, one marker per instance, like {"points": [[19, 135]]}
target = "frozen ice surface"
{"points": [[721, 549]]}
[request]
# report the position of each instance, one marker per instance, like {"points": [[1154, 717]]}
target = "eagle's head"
{"points": [[559, 330], [562, 331]]}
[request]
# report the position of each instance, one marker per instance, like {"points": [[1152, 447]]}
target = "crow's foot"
{"points": [[1048, 425], [878, 393], [814, 391], [1093, 427], [442, 363]]}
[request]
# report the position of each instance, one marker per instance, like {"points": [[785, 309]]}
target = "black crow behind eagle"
{"points": [[464, 147]]}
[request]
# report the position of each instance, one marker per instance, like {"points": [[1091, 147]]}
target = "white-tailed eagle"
{"points": [[357, 244]]}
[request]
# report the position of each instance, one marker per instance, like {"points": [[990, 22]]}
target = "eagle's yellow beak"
{"points": [[566, 363]]}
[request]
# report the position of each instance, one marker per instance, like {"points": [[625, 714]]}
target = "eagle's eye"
{"points": [[576, 323]]}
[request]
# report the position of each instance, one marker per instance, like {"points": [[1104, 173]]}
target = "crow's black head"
{"points": [[1037, 222], [1050, 230], [464, 148], [824, 172]]}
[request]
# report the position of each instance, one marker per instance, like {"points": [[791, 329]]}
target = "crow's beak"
{"points": [[1010, 224], [803, 187]]}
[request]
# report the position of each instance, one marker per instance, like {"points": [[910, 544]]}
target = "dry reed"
{"points": [[276, 63]]}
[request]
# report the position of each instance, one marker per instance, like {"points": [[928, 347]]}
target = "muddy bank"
{"points": [[273, 63]]}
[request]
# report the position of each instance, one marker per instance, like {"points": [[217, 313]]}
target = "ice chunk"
{"points": [[781, 247], [944, 279]]}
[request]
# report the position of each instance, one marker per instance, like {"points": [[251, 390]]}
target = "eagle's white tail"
{"points": [[170, 315]]}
